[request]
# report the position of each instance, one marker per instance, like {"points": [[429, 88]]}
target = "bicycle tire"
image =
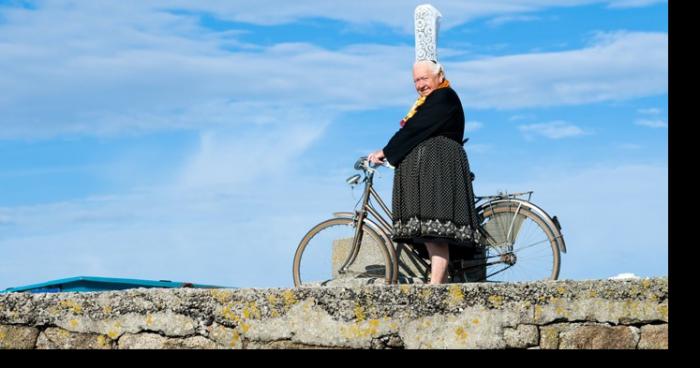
{"points": [[503, 218], [322, 255]]}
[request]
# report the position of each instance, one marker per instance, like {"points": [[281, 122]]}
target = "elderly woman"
{"points": [[433, 201]]}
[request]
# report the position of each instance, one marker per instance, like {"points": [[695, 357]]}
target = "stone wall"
{"points": [[629, 314]]}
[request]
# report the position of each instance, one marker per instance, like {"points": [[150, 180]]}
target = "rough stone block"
{"points": [[523, 336], [17, 337], [654, 337], [599, 337], [142, 341], [58, 338]]}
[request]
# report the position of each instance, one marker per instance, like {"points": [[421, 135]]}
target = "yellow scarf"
{"points": [[420, 101]]}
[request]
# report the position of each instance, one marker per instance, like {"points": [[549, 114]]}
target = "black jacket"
{"points": [[440, 114]]}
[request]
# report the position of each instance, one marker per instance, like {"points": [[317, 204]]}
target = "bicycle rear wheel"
{"points": [[327, 247], [520, 244]]}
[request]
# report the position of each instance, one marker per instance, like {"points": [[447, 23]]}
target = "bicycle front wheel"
{"points": [[328, 246], [519, 244]]}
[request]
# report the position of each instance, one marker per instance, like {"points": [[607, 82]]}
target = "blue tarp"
{"points": [[90, 283]]}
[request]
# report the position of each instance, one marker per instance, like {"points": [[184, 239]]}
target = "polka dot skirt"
{"points": [[432, 198]]}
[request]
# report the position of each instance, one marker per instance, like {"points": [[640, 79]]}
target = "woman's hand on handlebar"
{"points": [[376, 157]]}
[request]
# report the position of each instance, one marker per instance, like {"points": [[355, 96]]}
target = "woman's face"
{"points": [[424, 79]]}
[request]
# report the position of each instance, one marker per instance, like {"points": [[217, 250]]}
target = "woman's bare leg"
{"points": [[439, 257]]}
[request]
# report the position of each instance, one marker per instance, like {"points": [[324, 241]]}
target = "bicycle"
{"points": [[353, 245]]}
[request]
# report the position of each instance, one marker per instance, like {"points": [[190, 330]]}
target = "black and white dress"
{"points": [[433, 199]]}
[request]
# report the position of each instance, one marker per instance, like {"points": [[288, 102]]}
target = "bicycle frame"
{"points": [[381, 225]]}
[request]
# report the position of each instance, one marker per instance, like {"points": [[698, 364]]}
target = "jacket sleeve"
{"points": [[434, 114]]}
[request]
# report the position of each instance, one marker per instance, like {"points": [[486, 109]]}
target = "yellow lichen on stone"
{"points": [[272, 299], [461, 334], [561, 290], [222, 296], [634, 290], [373, 326], [72, 305], [630, 307], [107, 309], [359, 312], [361, 329], [496, 300], [475, 321], [235, 339], [559, 307], [405, 289], [115, 331], [456, 295], [245, 327], [227, 313], [559, 310], [592, 294], [102, 341], [663, 309], [149, 319], [251, 311], [538, 311], [289, 298], [73, 323], [646, 283], [550, 338]]}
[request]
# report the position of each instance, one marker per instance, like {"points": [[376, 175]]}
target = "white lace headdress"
{"points": [[427, 25]]}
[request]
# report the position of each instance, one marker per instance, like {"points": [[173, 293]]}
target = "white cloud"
{"points": [[552, 130], [472, 126], [521, 117], [144, 69], [397, 14], [624, 276], [216, 91], [478, 148], [629, 146], [500, 21], [649, 111], [656, 123], [608, 70], [633, 3], [226, 159]]}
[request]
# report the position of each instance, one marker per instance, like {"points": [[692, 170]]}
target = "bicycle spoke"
{"points": [[520, 246]]}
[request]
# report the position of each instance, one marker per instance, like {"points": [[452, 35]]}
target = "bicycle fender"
{"points": [[343, 214], [539, 212]]}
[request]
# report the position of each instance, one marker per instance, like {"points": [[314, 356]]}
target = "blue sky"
{"points": [[198, 140]]}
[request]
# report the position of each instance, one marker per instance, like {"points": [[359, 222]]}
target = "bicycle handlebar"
{"points": [[363, 164]]}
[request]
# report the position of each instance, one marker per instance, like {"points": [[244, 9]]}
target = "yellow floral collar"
{"points": [[420, 101]]}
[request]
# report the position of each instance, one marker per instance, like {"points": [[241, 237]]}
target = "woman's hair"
{"points": [[435, 67]]}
